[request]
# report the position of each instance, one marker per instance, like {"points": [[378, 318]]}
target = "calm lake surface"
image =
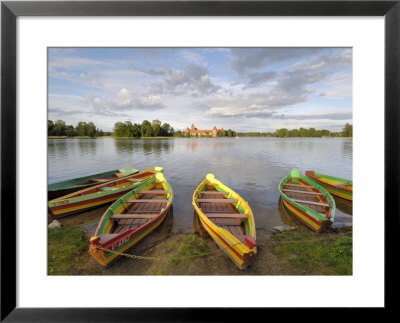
{"points": [[253, 167]]}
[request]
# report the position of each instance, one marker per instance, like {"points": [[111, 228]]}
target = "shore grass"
{"points": [[296, 252], [65, 248], [188, 246], [311, 253]]}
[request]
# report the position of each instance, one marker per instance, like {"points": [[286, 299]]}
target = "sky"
{"points": [[243, 89]]}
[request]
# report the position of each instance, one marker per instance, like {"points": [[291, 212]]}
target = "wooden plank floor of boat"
{"points": [[298, 193], [122, 225], [232, 225]]}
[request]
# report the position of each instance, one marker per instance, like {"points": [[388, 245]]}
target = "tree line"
{"points": [[347, 131], [144, 129], [60, 128], [157, 129]]}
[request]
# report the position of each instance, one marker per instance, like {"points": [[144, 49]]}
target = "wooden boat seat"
{"points": [[158, 192], [147, 211], [302, 192], [226, 221], [148, 201], [310, 202], [133, 216], [297, 185], [213, 193], [217, 201], [226, 215]]}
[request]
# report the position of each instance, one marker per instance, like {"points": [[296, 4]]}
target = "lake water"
{"points": [[253, 167]]}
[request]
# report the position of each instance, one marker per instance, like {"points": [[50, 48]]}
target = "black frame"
{"points": [[10, 10]]}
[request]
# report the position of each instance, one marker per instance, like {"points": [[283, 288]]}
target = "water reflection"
{"points": [[344, 205], [156, 147], [127, 146], [87, 146], [193, 144], [255, 175], [347, 148], [343, 214], [59, 147]]}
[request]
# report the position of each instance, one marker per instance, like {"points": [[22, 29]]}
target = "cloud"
{"points": [[125, 100], [257, 78], [247, 60], [345, 115], [151, 72], [194, 79]]}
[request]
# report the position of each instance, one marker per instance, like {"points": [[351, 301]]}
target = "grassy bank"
{"points": [[68, 253], [309, 253], [298, 252]]}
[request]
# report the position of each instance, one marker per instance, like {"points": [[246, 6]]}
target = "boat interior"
{"points": [[138, 211], [307, 195], [222, 212], [124, 182], [336, 183], [104, 179]]}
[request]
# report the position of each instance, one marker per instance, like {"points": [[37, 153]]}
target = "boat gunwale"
{"points": [[316, 215], [234, 245], [96, 189], [316, 177], [135, 232], [78, 182]]}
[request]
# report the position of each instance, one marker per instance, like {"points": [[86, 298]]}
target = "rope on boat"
{"points": [[211, 252], [156, 258], [126, 254]]}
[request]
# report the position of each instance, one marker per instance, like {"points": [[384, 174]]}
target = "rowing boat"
{"points": [[72, 185], [131, 218], [335, 185], [307, 201], [98, 195], [227, 218]]}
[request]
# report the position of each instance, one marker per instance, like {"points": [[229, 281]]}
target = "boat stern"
{"points": [[96, 252]]}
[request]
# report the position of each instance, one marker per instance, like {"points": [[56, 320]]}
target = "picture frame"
{"points": [[11, 10]]}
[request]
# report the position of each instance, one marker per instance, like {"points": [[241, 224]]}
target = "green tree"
{"points": [[146, 129], [50, 128], [91, 129], [81, 128], [166, 129], [282, 133], [347, 130], [119, 129], [136, 130], [70, 131], [60, 128], [156, 127]]}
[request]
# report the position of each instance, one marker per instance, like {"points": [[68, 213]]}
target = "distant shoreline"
{"points": [[148, 138]]}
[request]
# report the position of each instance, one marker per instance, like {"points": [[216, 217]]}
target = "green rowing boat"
{"points": [[72, 185]]}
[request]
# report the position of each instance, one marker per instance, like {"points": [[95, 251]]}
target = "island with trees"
{"points": [[157, 129]]}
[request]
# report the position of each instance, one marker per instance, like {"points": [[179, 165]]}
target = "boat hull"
{"points": [[307, 201], [107, 252], [67, 187], [306, 219], [93, 197], [241, 252], [331, 183]]}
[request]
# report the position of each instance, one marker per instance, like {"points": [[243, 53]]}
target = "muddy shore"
{"points": [[158, 253]]}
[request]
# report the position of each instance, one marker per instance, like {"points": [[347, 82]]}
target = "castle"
{"points": [[196, 132]]}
